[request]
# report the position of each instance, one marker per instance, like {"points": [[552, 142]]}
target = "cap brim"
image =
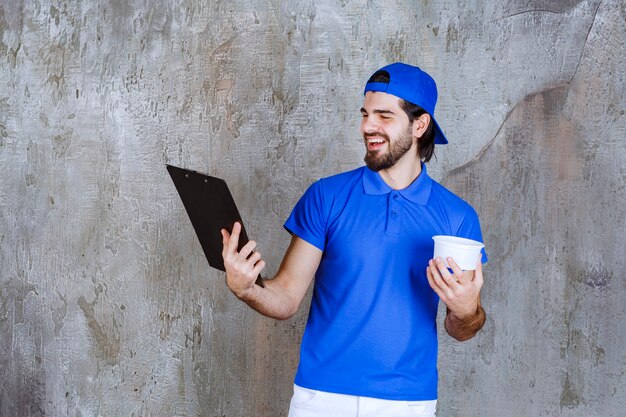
{"points": [[440, 138]]}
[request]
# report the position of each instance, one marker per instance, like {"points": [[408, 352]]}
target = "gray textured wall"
{"points": [[107, 306]]}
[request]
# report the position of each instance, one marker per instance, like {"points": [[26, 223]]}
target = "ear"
{"points": [[420, 125]]}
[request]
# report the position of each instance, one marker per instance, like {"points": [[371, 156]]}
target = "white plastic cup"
{"points": [[465, 252]]}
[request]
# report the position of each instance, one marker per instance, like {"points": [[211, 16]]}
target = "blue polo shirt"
{"points": [[371, 329]]}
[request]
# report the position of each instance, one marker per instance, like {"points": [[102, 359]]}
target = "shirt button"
{"points": [[393, 213], [395, 196]]}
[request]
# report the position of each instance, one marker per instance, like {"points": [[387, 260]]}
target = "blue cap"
{"points": [[413, 85]]}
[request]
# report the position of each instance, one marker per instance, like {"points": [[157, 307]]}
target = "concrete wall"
{"points": [[107, 306]]}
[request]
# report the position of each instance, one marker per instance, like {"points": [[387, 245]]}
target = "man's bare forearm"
{"points": [[270, 301], [465, 328], [282, 295]]}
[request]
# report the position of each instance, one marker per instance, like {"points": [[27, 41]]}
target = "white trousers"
{"points": [[311, 403]]}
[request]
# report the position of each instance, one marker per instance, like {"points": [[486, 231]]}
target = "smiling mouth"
{"points": [[374, 144]]}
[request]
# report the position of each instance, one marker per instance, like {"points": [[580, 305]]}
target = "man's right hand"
{"points": [[242, 268], [282, 294]]}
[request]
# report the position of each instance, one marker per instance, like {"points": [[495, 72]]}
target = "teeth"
{"points": [[376, 141]]}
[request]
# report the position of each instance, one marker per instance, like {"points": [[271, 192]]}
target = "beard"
{"points": [[377, 161]]}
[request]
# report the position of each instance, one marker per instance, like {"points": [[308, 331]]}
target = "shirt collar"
{"points": [[418, 191]]}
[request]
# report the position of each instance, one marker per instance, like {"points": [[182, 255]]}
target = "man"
{"points": [[370, 343]]}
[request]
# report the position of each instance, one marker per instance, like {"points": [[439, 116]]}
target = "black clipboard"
{"points": [[211, 208]]}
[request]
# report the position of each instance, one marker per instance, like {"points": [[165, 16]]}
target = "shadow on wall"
{"points": [[545, 189]]}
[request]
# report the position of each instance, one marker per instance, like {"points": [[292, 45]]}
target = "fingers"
{"points": [[431, 280], [230, 243], [478, 274], [234, 238], [247, 250], [242, 267], [225, 240], [258, 267], [459, 290], [458, 272], [436, 281], [443, 275], [253, 258]]}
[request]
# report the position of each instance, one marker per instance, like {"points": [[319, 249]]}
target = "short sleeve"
{"points": [[308, 217], [470, 229]]}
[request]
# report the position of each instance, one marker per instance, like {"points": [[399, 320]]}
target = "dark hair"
{"points": [[426, 143]]}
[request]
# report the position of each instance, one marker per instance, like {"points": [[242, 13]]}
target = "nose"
{"points": [[369, 125]]}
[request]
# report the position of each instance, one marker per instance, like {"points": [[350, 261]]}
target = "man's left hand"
{"points": [[459, 290]]}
